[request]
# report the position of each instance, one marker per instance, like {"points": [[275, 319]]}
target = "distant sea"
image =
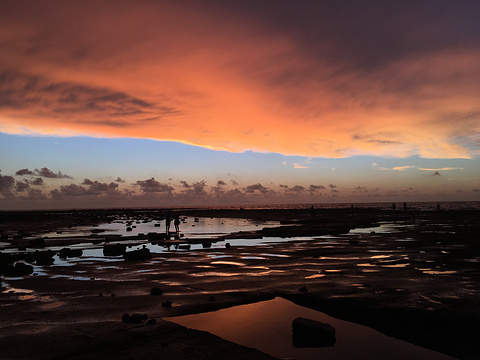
{"points": [[421, 206]]}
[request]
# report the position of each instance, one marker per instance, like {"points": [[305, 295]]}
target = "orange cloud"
{"points": [[169, 72]]}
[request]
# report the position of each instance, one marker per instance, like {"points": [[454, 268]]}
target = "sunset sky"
{"points": [[171, 103]]}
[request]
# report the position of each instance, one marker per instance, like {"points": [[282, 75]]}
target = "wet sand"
{"points": [[411, 275]]}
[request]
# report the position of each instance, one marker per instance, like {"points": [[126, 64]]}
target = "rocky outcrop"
{"points": [[114, 250], [311, 333], [141, 254]]}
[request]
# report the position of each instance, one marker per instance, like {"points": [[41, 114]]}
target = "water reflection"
{"points": [[267, 326]]}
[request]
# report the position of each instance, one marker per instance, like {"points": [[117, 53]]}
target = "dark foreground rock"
{"points": [[307, 333]]}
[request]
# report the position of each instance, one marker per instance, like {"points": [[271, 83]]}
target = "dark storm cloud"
{"points": [[6, 185], [313, 188], [37, 181], [221, 183], [251, 189], [68, 100], [119, 180], [34, 194], [23, 172], [197, 189], [69, 190], [332, 186], [184, 184], [22, 185], [372, 140], [364, 35], [296, 189], [96, 188], [47, 173], [153, 186]]}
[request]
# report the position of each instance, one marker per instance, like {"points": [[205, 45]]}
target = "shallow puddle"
{"points": [[267, 326]]}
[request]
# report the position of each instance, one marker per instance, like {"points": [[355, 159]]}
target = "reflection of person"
{"points": [[176, 222], [168, 220]]}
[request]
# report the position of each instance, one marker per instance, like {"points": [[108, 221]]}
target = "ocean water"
{"points": [[419, 206]]}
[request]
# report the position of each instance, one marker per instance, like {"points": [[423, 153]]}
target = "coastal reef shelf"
{"points": [[66, 278]]}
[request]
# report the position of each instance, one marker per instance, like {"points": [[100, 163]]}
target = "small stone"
{"points": [[167, 304], [303, 289], [156, 291], [151, 322]]}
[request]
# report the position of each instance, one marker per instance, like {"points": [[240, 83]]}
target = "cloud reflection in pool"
{"points": [[267, 326]]}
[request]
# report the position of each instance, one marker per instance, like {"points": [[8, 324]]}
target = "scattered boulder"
{"points": [[153, 236], [184, 246], [66, 253], [134, 319], [151, 322], [17, 270], [207, 244], [141, 254], [37, 242], [167, 304], [114, 250], [156, 291], [44, 257], [307, 333]]}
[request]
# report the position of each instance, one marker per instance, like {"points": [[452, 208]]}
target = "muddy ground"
{"points": [[415, 278]]}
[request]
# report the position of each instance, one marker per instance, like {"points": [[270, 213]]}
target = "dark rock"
{"points": [[184, 247], [303, 289], [151, 322], [141, 254], [134, 319], [17, 270], [156, 291], [66, 253], [167, 304], [114, 250], [44, 257], [36, 242], [153, 236], [227, 245], [206, 244], [307, 333]]}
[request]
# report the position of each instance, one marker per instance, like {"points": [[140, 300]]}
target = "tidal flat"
{"points": [[66, 282]]}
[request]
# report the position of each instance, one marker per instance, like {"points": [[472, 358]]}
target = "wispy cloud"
{"points": [[441, 169], [395, 168]]}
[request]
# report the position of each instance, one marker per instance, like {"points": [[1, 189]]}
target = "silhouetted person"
{"points": [[176, 222], [168, 220], [438, 207], [394, 206], [404, 206]]}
